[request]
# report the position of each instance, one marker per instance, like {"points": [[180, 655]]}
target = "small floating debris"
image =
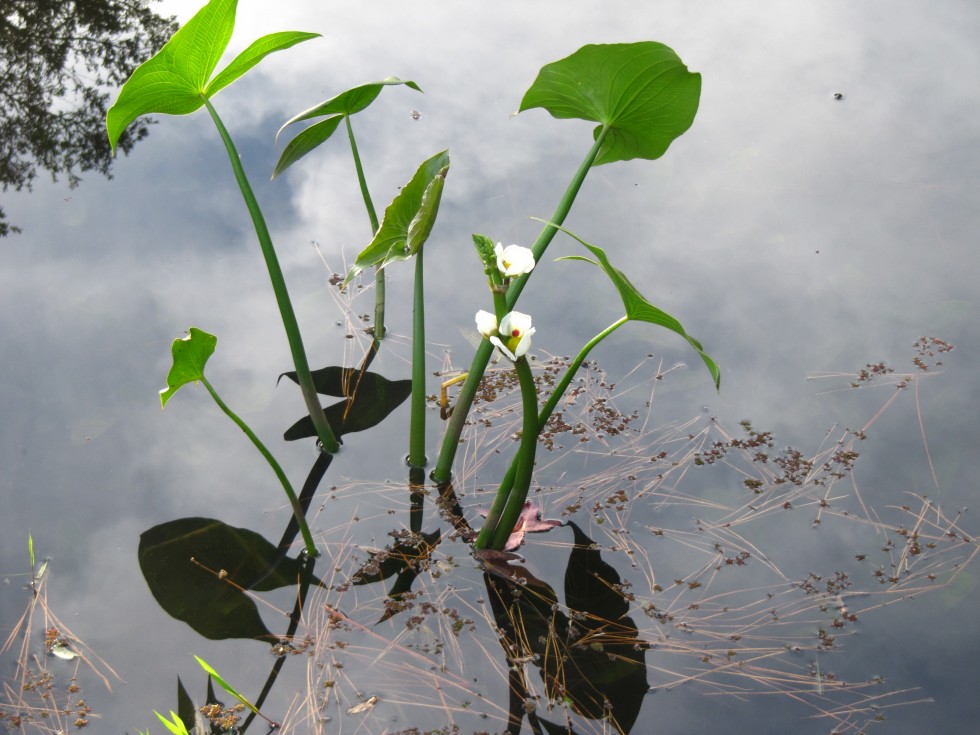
{"points": [[363, 706]]}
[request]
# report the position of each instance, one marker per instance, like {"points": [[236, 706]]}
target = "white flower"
{"points": [[486, 323], [515, 335], [513, 260]]}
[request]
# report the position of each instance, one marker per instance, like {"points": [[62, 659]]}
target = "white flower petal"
{"points": [[486, 323], [513, 260], [525, 344], [503, 349], [514, 338], [514, 324]]}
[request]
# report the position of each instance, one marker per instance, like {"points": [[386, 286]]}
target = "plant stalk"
{"points": [[327, 439], [508, 504], [450, 442], [293, 500], [559, 390], [416, 438], [379, 274]]}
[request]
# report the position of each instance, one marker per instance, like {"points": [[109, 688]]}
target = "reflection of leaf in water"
{"points": [[374, 397], [596, 660], [398, 558], [182, 559], [404, 559], [592, 585], [186, 710]]}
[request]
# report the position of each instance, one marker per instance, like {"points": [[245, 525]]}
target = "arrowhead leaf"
{"points": [[409, 219], [190, 354], [637, 307], [306, 141], [253, 55], [343, 105], [642, 93], [351, 102], [175, 80]]}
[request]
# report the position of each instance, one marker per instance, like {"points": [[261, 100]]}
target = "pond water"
{"points": [[799, 236]]}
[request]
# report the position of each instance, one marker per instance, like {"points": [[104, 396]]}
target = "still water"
{"points": [[798, 235]]}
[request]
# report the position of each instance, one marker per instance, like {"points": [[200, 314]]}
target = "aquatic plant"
{"points": [[731, 616], [622, 87]]}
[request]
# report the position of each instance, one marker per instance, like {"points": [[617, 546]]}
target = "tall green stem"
{"points": [[361, 180], [416, 440], [450, 442], [507, 483], [507, 506], [293, 500], [573, 366], [323, 430], [379, 273]]}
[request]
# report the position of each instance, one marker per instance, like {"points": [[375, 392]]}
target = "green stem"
{"points": [[450, 442], [365, 194], [499, 306], [573, 366], [379, 273], [293, 500], [559, 390], [508, 504], [323, 430], [416, 439]]}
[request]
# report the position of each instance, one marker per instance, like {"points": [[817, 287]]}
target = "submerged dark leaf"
{"points": [[597, 663], [185, 705], [342, 382], [591, 585], [195, 568], [374, 397]]}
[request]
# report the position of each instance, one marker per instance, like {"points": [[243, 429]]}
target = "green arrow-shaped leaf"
{"points": [[642, 93], [251, 56], [639, 308], [306, 141], [336, 108], [409, 219], [191, 354], [175, 80]]}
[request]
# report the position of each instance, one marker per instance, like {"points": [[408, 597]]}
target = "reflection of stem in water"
{"points": [[416, 498], [453, 511], [306, 576]]}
